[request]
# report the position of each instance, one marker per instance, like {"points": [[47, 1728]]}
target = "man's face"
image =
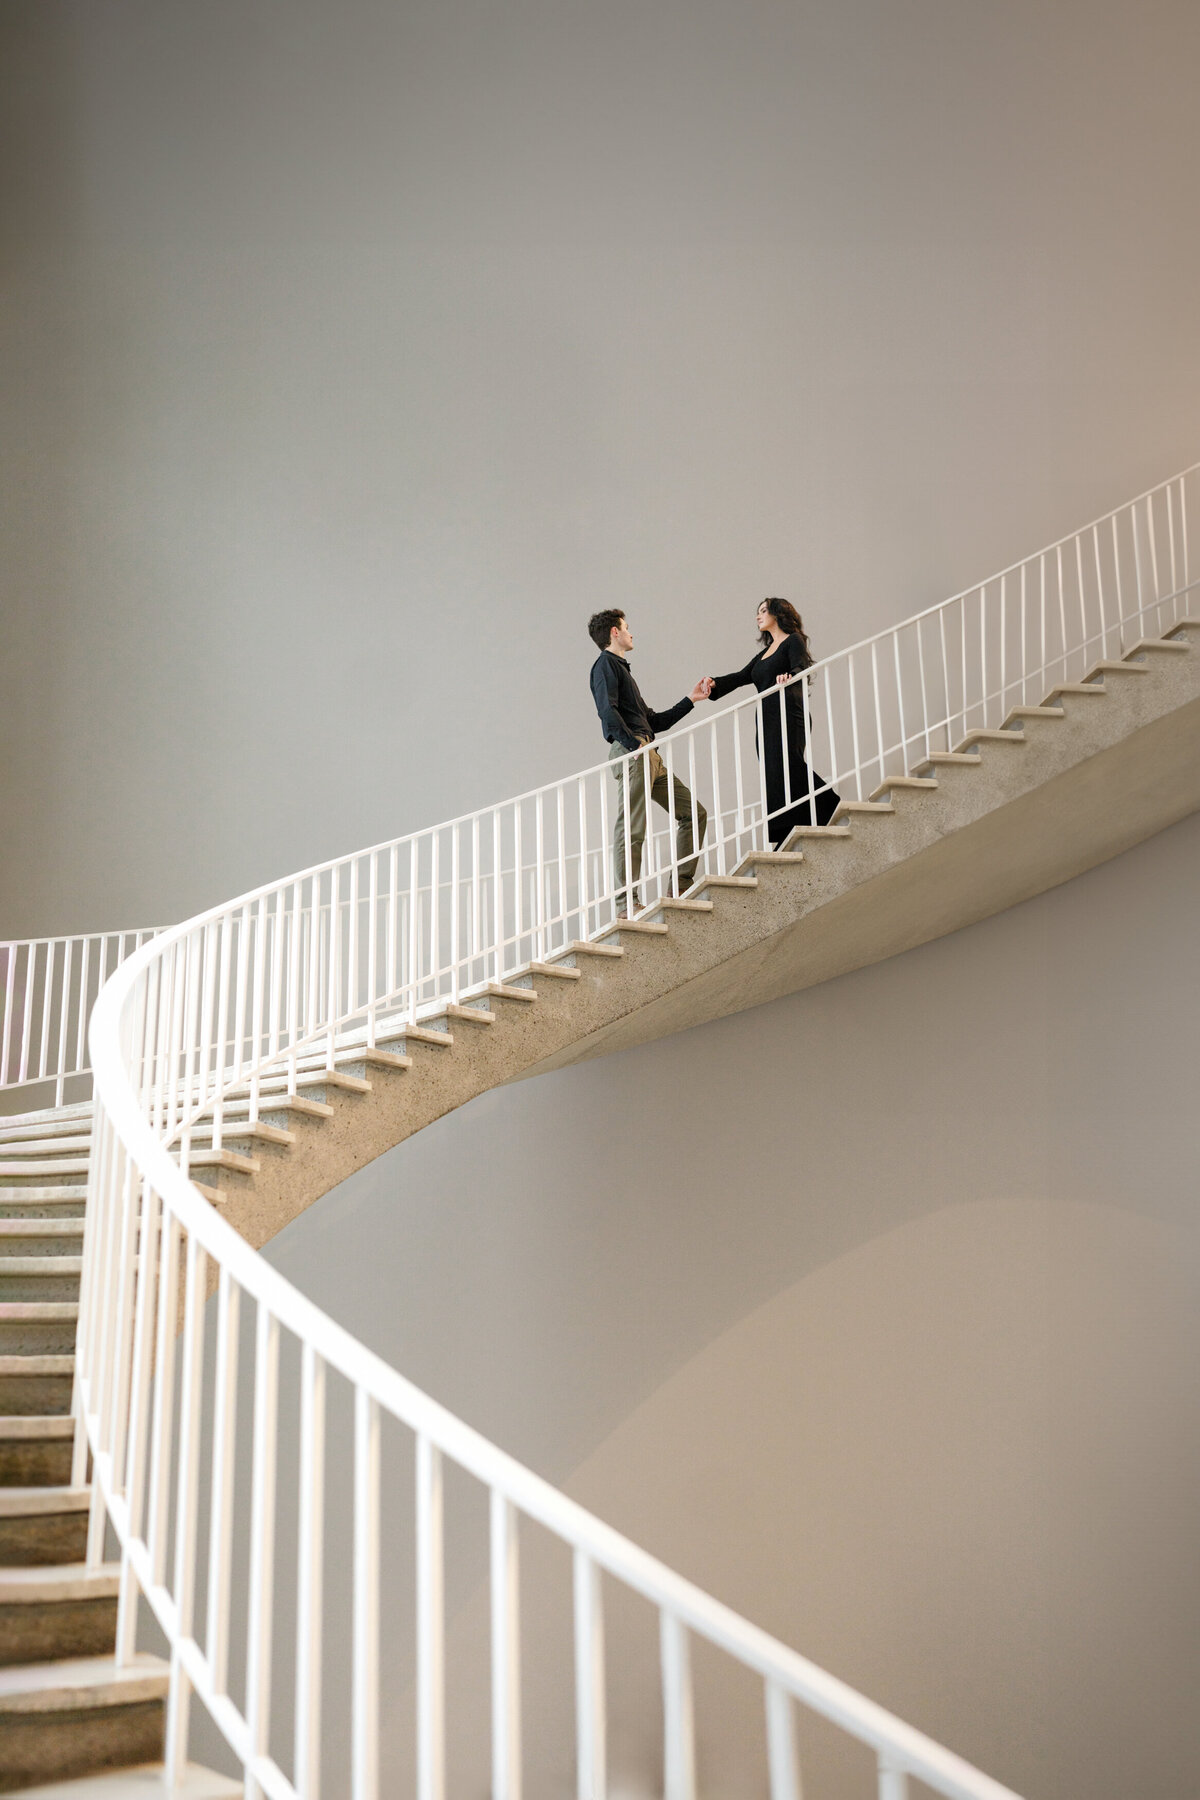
{"points": [[622, 639]]}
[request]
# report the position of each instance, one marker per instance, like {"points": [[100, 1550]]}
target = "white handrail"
{"points": [[238, 1002], [47, 989]]}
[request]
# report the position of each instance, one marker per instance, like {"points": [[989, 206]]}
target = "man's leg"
{"points": [[631, 785], [691, 821]]}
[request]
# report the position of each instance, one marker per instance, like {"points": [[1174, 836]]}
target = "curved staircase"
{"points": [[250, 1060]]}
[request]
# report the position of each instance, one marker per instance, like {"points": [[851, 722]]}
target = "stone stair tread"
{"points": [[866, 807], [686, 905], [729, 881], [24, 1502], [470, 1015], [1044, 711], [502, 991], [23, 1228], [42, 1196], [85, 1681], [37, 1364], [824, 831], [14, 1266], [419, 1034], [51, 1146], [71, 1166], [1075, 687], [242, 1128], [38, 1312], [52, 1115], [35, 1427], [550, 969], [56, 1582], [771, 858], [1162, 643], [646, 927], [224, 1159], [1119, 668], [148, 1781], [585, 947]]}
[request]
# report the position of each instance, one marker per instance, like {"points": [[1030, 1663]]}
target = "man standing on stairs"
{"points": [[629, 725]]}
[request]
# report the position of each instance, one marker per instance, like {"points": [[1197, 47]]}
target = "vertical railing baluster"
{"points": [[224, 1452], [679, 1735], [262, 1536], [783, 1766], [506, 1651], [591, 1732], [82, 1010], [858, 780], [164, 1386], [310, 1575], [393, 919], [47, 995], [435, 911], [455, 913], [431, 1652], [221, 1056], [148, 1274], [364, 1701], [893, 1781], [186, 1506]]}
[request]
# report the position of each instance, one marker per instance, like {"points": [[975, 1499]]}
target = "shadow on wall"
{"points": [[872, 1310]]}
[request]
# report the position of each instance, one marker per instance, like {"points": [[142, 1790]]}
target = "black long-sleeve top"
{"points": [[764, 669], [625, 718]]}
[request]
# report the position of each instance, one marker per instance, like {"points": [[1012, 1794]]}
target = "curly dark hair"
{"points": [[790, 623], [600, 626]]}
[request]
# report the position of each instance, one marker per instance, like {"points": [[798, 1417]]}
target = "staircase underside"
{"points": [[1046, 801]]}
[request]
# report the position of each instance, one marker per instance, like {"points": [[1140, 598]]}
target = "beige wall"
{"points": [[354, 354], [874, 1311]]}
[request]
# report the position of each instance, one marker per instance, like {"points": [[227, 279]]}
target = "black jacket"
{"points": [[625, 718]]}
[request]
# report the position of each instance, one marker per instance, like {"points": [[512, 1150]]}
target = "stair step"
{"points": [[903, 782], [554, 970], [866, 807], [43, 1523], [35, 1386], [260, 1131], [1074, 687], [582, 947], [1036, 712], [63, 1610], [1165, 644], [69, 1166], [41, 1228], [46, 1146], [729, 881], [417, 1034], [148, 1781], [470, 1015], [59, 1582], [223, 1159], [64, 1267], [771, 859], [819, 831], [938, 759], [500, 990], [670, 905], [642, 927], [61, 1719], [1118, 668], [1180, 625], [986, 734]]}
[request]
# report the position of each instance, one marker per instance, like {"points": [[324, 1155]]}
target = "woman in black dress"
{"points": [[784, 653]]}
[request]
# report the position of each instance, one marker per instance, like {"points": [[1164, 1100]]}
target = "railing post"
{"points": [[309, 1585], [782, 1765], [364, 1706], [893, 1780], [679, 1743], [431, 1653], [590, 1726], [506, 1651]]}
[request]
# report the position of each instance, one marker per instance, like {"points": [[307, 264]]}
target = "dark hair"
{"points": [[601, 624], [790, 623]]}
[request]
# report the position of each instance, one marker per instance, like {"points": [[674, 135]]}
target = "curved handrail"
{"points": [[354, 951]]}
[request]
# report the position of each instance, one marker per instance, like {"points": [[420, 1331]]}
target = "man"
{"points": [[628, 725]]}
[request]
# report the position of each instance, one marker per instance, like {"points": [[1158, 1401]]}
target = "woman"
{"points": [[783, 654]]}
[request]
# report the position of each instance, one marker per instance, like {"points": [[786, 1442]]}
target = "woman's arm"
{"points": [[725, 684], [795, 657]]}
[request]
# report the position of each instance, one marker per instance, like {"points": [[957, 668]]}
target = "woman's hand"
{"points": [[702, 690], [782, 680]]}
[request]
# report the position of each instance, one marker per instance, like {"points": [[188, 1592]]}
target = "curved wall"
{"points": [[873, 1310]]}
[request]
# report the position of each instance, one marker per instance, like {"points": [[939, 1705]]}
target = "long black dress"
{"points": [[783, 710]]}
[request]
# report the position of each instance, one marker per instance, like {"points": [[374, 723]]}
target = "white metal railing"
{"points": [[228, 1010], [47, 989]]}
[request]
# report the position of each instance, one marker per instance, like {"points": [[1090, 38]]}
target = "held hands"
{"points": [[702, 690]]}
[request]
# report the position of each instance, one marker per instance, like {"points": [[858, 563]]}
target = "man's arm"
{"points": [[663, 721], [604, 693]]}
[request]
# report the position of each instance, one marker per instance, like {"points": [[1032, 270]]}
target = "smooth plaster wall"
{"points": [[874, 1311], [353, 355]]}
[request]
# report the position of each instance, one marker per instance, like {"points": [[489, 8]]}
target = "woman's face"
{"points": [[766, 618]]}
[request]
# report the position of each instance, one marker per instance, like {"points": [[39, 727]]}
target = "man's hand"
{"points": [[702, 689]]}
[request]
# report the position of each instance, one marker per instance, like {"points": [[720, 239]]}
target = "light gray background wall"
{"points": [[354, 354]]}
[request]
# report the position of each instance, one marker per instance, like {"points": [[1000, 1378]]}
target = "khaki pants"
{"points": [[631, 788]]}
